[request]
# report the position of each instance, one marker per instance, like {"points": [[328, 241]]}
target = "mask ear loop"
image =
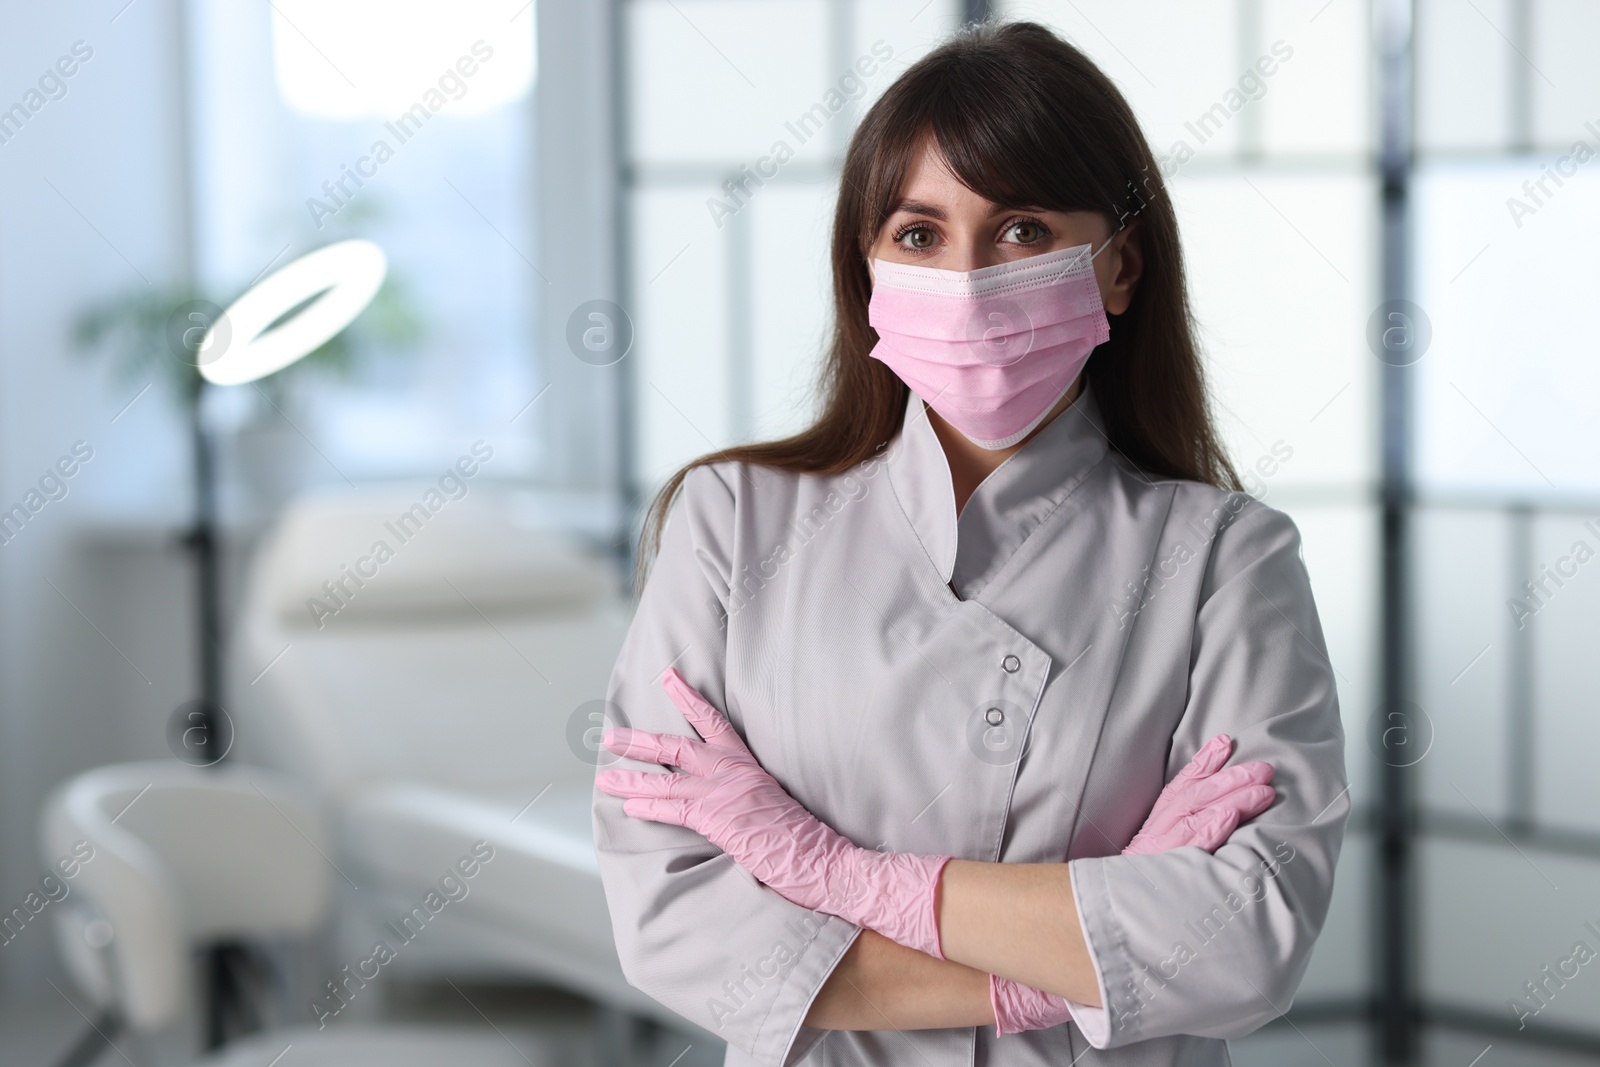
{"points": [[1122, 224], [1123, 216]]}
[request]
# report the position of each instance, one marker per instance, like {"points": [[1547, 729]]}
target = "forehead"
{"points": [[930, 187], [930, 179]]}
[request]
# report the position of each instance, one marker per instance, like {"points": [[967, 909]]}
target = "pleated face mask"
{"points": [[991, 350]]}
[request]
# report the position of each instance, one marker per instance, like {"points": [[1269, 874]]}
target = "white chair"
{"points": [[166, 859], [450, 689]]}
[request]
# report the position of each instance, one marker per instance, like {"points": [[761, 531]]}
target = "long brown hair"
{"points": [[1022, 117]]}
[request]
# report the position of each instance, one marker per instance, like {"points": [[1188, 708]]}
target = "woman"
{"points": [[968, 624]]}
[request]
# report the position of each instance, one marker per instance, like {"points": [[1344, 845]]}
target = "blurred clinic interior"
{"points": [[510, 264]]}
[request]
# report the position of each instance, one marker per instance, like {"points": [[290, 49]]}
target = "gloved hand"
{"points": [[1199, 807], [1204, 804], [728, 797]]}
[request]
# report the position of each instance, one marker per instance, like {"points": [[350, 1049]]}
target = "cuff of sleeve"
{"points": [[937, 937], [1091, 893], [783, 1038]]}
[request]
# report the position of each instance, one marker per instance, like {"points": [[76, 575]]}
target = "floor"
{"points": [[546, 1028], [1344, 1045]]}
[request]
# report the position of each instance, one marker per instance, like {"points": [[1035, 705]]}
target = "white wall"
{"points": [[68, 699]]}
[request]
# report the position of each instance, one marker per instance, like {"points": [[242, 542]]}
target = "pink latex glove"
{"points": [[728, 797], [1202, 806]]}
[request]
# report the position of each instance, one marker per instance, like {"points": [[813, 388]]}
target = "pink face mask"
{"points": [[991, 350]]}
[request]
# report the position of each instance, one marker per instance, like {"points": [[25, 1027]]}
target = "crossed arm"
{"points": [[1017, 922], [1015, 919]]}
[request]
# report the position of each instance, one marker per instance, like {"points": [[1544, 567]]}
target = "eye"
{"points": [[915, 237], [1027, 231]]}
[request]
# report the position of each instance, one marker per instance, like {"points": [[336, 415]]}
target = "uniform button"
{"points": [[1010, 664], [994, 716]]}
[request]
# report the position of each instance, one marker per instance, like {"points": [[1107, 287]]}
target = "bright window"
{"points": [[409, 124]]}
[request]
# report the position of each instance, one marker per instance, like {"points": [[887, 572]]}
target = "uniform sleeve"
{"points": [[1215, 945], [692, 928]]}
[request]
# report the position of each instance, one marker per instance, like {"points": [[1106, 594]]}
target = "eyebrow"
{"points": [[933, 211], [917, 207]]}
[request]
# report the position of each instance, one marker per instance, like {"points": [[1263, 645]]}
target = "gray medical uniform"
{"points": [[1012, 685]]}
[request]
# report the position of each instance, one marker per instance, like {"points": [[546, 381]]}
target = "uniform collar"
{"points": [[1006, 506]]}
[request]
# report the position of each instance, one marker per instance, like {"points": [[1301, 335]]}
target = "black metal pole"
{"points": [[209, 570], [203, 543], [205, 737], [1396, 1003], [209, 721]]}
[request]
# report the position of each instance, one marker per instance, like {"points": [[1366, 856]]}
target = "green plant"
{"points": [[136, 332]]}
